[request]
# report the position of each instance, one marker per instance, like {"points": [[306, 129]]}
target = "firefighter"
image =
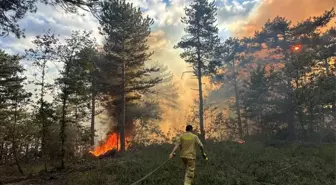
{"points": [[187, 143]]}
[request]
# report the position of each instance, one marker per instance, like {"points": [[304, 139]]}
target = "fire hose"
{"points": [[145, 177]]}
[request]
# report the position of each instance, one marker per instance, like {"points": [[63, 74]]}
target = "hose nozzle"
{"points": [[205, 156]]}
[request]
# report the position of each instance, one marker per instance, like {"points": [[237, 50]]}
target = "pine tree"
{"points": [[126, 31], [199, 44], [89, 60], [296, 47], [43, 54], [277, 36], [72, 85], [326, 53], [262, 99], [13, 98], [317, 49], [233, 55]]}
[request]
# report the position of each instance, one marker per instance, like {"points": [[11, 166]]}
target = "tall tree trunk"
{"points": [[263, 128], [311, 120], [200, 92], [2, 152], [13, 140], [327, 66], [76, 144], [17, 162], [334, 112], [63, 131], [63, 120], [93, 110], [301, 120], [290, 114], [290, 125], [27, 152], [118, 139], [333, 108], [36, 148], [290, 93], [7, 153], [246, 122], [42, 113], [63, 124], [123, 111], [240, 126]]}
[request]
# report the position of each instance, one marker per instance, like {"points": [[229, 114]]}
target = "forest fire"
{"points": [[112, 143]]}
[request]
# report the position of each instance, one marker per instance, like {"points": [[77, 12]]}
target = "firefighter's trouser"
{"points": [[190, 170]]}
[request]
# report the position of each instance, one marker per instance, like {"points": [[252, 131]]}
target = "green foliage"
{"points": [[73, 89], [13, 98], [15, 10], [229, 163], [88, 178], [287, 92], [126, 77], [233, 56], [201, 37], [44, 52], [199, 45], [19, 8], [126, 31]]}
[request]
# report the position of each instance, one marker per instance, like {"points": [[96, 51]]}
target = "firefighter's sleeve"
{"points": [[178, 141], [199, 142]]}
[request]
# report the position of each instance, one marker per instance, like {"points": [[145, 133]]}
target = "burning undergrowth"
{"points": [[110, 146], [112, 142], [143, 109]]}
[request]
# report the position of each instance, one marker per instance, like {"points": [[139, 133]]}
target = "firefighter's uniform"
{"points": [[188, 142]]}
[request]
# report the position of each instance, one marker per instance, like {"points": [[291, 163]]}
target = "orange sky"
{"points": [[293, 10]]}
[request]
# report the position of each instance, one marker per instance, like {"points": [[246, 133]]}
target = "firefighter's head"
{"points": [[189, 128]]}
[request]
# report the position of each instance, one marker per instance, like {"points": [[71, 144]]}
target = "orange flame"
{"points": [[112, 142]]}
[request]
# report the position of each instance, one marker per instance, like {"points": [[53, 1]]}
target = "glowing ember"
{"points": [[296, 47], [112, 142], [241, 141]]}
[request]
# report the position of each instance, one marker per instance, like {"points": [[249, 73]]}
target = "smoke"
{"points": [[186, 82], [164, 53], [293, 10], [102, 126]]}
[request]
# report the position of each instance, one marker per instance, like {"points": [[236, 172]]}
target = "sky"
{"points": [[167, 29], [234, 18]]}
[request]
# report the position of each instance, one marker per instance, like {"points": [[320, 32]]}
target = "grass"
{"points": [[228, 164]]}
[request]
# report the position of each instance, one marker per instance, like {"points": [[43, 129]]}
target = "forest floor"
{"points": [[228, 164]]}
